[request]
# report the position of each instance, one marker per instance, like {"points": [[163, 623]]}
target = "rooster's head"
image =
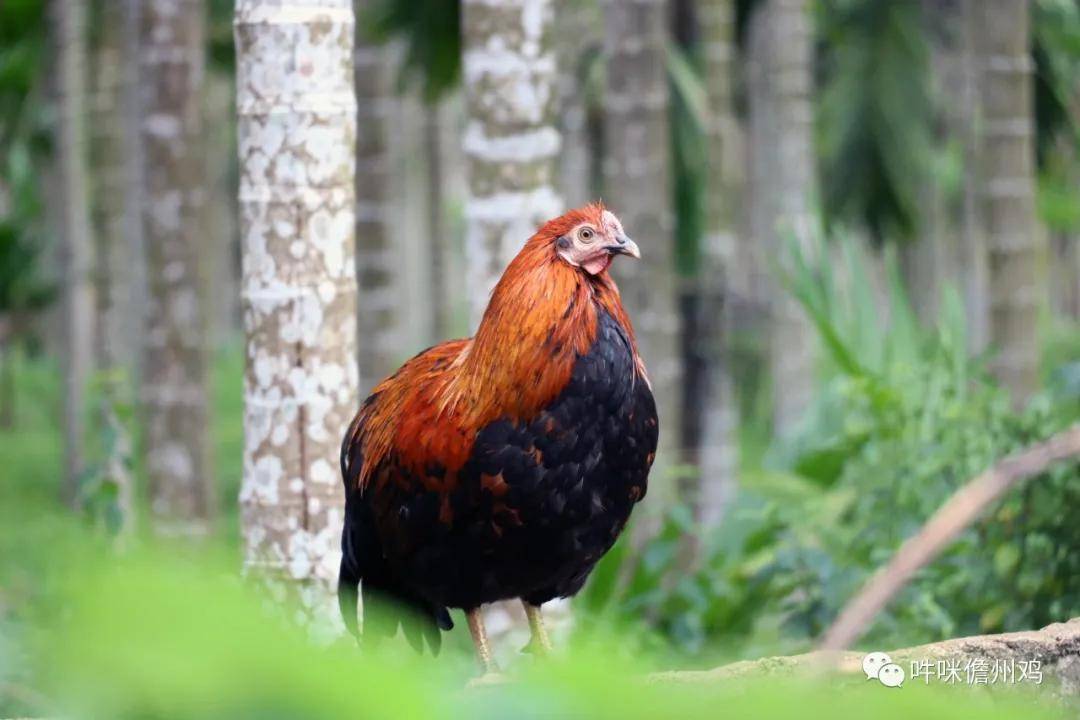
{"points": [[589, 238]]}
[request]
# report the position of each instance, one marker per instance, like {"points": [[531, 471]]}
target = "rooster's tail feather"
{"points": [[387, 603]]}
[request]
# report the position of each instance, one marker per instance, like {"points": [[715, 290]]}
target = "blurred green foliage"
{"points": [[110, 467], [689, 115], [24, 145], [894, 434], [874, 114], [157, 633], [1055, 27], [431, 33]]}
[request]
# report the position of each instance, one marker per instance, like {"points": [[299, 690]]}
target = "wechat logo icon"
{"points": [[879, 666]]}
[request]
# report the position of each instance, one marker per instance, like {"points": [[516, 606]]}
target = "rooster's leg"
{"points": [[540, 643], [480, 641]]}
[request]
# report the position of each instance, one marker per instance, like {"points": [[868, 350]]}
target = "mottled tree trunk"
{"points": [[952, 248], [637, 188], [409, 262], [174, 382], [510, 139], [438, 229], [453, 185], [722, 279], [78, 294], [783, 186], [1065, 274], [134, 192], [974, 255], [376, 257], [1007, 190], [115, 313], [107, 190], [579, 36], [932, 260], [297, 141]]}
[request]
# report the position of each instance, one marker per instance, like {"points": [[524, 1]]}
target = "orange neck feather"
{"points": [[541, 317]]}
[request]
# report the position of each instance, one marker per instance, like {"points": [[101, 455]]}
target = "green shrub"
{"points": [[902, 418]]}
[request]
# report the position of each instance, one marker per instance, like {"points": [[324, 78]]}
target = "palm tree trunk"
{"points": [[1007, 191], [78, 295], [174, 382], [974, 262], [296, 112], [221, 246], [637, 188], [721, 276], [438, 229], [453, 183], [935, 258], [510, 139], [1065, 274], [134, 192], [107, 207], [115, 313], [376, 261], [783, 185], [579, 36]]}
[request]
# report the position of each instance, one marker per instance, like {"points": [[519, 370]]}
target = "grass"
{"points": [[33, 448]]}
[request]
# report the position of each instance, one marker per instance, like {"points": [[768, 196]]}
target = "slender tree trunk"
{"points": [[78, 294], [637, 188], [107, 207], [297, 136], [1007, 191], [721, 276], [934, 259], [510, 139], [1065, 275], [134, 192], [409, 185], [376, 259], [115, 313], [953, 248], [974, 256], [438, 228], [174, 383], [784, 185], [579, 35], [221, 242], [445, 182]]}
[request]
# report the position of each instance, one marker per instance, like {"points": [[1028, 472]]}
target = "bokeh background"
{"points": [[860, 222]]}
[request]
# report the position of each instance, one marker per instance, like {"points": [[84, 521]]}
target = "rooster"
{"points": [[504, 465]]}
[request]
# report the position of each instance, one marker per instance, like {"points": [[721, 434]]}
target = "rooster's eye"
{"points": [[586, 234]]}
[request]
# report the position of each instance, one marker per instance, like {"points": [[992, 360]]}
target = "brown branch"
{"points": [[1056, 648], [954, 516]]}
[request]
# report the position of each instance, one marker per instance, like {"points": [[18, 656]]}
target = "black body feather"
{"points": [[534, 508]]}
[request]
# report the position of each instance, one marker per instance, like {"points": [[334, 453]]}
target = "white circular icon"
{"points": [[891, 675], [872, 664]]}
